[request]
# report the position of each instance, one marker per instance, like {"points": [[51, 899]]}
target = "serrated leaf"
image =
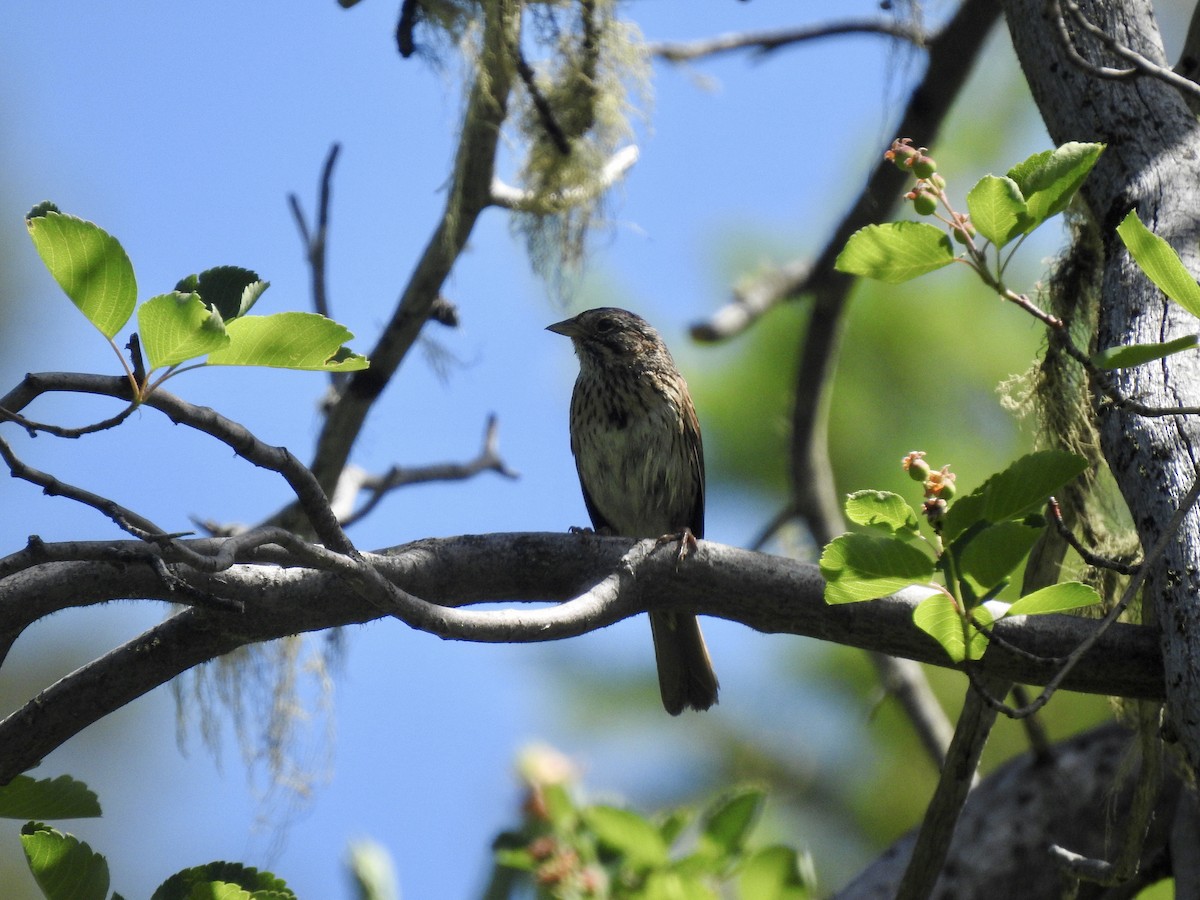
{"points": [[1138, 354], [1056, 598], [863, 567], [993, 554], [1160, 262], [218, 890], [1020, 488], [230, 290], [177, 327], [775, 873], [1049, 180], [179, 886], [938, 617], [997, 209], [47, 798], [1028, 483], [895, 252], [289, 340], [881, 509], [726, 825], [64, 867], [88, 263], [625, 832]]}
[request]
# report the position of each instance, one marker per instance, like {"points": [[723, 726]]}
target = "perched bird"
{"points": [[637, 447]]}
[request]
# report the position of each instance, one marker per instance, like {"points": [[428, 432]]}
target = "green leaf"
{"points": [[1137, 354], [938, 617], [864, 567], [176, 327], [88, 263], [1026, 484], [994, 553], [181, 885], [670, 884], [881, 509], [289, 340], [728, 822], [1048, 180], [218, 890], [674, 823], [48, 798], [229, 290], [1161, 264], [986, 615], [895, 252], [997, 209], [64, 867], [775, 873], [964, 513], [628, 834], [1021, 488], [1056, 598], [520, 859]]}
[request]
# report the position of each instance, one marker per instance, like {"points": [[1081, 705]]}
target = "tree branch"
{"points": [[1000, 846], [469, 194], [768, 593], [763, 42], [310, 497]]}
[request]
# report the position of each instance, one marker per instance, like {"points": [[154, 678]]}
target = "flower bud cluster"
{"points": [[939, 485]]}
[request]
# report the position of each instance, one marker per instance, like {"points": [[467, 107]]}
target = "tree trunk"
{"points": [[1152, 164]]}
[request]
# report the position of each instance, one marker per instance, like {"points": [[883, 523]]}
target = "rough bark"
{"points": [[1001, 845], [1152, 164]]}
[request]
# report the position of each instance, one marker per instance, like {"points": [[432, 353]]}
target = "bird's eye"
{"points": [[606, 325]]}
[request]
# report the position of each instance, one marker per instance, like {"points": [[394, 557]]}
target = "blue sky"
{"points": [[181, 130]]}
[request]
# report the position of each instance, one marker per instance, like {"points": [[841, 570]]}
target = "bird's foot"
{"points": [[687, 544]]}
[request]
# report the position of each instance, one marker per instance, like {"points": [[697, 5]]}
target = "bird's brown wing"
{"points": [[692, 440], [599, 523]]}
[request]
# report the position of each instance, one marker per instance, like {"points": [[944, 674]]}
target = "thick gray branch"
{"points": [[1001, 845], [768, 593]]}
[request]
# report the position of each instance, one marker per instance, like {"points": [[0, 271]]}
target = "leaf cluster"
{"points": [[205, 315], [977, 544], [66, 868], [568, 849]]}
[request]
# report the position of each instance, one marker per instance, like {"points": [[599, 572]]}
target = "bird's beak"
{"points": [[568, 328]]}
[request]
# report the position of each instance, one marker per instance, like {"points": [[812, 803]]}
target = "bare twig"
{"points": [[125, 519], [951, 54], [1139, 65], [1092, 559], [314, 239], [468, 195], [513, 198], [310, 497], [1169, 533], [355, 480], [541, 104], [33, 428], [763, 42]]}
